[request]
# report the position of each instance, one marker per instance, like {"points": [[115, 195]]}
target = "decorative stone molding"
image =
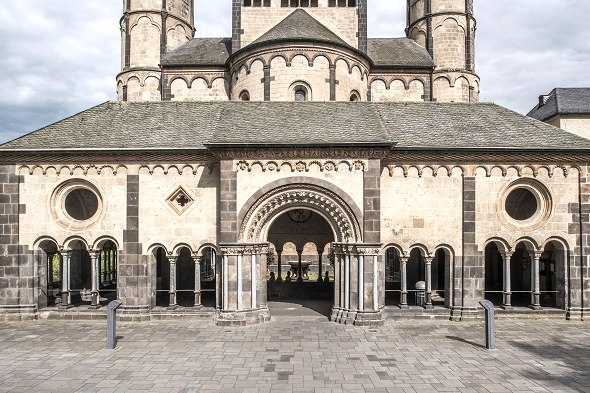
{"points": [[302, 166], [520, 170], [71, 169], [322, 200], [245, 248], [179, 168], [255, 153]]}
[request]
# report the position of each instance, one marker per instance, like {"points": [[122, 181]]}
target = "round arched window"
{"points": [[245, 96], [300, 93], [354, 96], [81, 204]]}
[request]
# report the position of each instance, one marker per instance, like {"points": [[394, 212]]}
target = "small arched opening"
{"points": [[80, 274], [185, 278], [494, 275], [416, 273], [162, 277], [393, 276], [49, 262], [552, 275], [520, 275], [107, 271]]}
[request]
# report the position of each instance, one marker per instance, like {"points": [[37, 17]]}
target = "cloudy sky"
{"points": [[59, 57]]}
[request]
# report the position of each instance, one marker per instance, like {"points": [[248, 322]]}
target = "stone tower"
{"points": [[346, 18], [149, 29], [446, 28]]}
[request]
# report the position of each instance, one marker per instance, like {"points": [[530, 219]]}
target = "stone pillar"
{"points": [[299, 268], [320, 279], [404, 282], [172, 262], [506, 256], [428, 279], [66, 297], [358, 298], [279, 266], [94, 261], [243, 284], [535, 286], [198, 282]]}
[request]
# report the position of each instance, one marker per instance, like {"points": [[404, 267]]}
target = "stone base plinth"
{"points": [[18, 313], [134, 313], [357, 318], [577, 314], [242, 318]]}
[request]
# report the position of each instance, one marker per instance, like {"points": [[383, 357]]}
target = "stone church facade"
{"points": [[297, 141]]}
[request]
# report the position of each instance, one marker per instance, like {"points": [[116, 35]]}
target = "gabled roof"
{"points": [[562, 101], [300, 26], [398, 52], [200, 52], [196, 125]]}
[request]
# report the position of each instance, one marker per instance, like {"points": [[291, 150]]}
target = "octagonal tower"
{"points": [[149, 29]]}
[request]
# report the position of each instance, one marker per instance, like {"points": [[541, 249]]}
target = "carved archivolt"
{"points": [[303, 166], [345, 225]]}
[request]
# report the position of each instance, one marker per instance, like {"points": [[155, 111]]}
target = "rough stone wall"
{"points": [[580, 264], [199, 90], [449, 42], [347, 81], [256, 21], [397, 91], [44, 216], [455, 87], [163, 221], [149, 90], [177, 35], [576, 124], [10, 252], [145, 42], [283, 78], [251, 82]]}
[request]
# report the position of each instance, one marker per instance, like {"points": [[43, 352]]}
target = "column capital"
{"points": [[506, 254], [535, 253], [404, 259], [428, 259], [172, 258]]}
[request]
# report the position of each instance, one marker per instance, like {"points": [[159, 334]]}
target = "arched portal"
{"points": [[300, 237], [358, 292]]}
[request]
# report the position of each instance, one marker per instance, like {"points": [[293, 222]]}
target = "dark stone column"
{"points": [[470, 276], [243, 276], [359, 294], [372, 202], [266, 80], [236, 25], [578, 304], [362, 27], [133, 281], [332, 81], [228, 225]]}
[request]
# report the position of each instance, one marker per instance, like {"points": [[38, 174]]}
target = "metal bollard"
{"points": [[112, 323], [490, 329]]}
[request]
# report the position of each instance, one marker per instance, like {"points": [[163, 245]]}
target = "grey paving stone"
{"points": [[305, 354]]}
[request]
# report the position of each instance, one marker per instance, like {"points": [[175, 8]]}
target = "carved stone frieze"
{"points": [[262, 154], [302, 166], [488, 170]]}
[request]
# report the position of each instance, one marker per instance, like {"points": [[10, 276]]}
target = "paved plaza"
{"points": [[299, 351]]}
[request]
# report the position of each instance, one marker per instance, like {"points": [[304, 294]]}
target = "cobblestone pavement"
{"points": [[300, 354]]}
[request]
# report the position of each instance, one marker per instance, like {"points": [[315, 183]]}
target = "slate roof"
{"points": [[299, 26], [562, 102], [196, 125], [398, 52], [200, 52]]}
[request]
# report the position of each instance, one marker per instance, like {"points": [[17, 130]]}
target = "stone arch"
{"points": [[499, 242], [553, 273], [332, 203], [178, 248], [100, 242]]}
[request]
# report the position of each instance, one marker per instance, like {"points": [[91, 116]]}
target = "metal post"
{"points": [[112, 323], [404, 282], [490, 328]]}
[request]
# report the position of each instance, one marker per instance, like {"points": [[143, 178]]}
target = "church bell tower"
{"points": [[446, 28], [150, 29]]}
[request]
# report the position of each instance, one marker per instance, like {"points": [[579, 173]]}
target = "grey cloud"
{"points": [[59, 57]]}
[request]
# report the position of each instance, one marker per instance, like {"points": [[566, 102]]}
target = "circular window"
{"points": [[77, 204], [526, 202], [81, 204]]}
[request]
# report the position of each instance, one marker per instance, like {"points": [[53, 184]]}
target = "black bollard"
{"points": [[490, 329], [112, 323]]}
